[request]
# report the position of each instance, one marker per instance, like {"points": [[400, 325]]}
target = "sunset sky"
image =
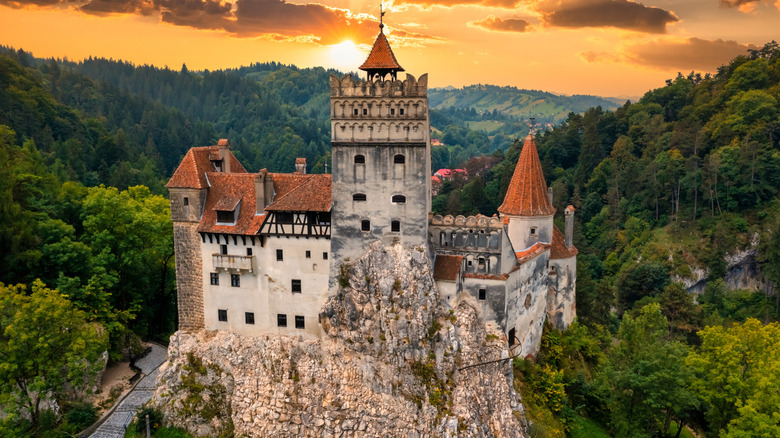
{"points": [[604, 47]]}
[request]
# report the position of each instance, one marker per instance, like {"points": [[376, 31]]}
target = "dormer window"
{"points": [[217, 165], [227, 210], [226, 216]]}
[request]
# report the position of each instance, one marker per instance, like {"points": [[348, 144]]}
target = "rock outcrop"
{"points": [[395, 362]]}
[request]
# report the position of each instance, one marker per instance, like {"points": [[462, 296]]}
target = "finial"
{"points": [[381, 15], [532, 127]]}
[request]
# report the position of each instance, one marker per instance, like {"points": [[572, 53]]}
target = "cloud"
{"points": [[622, 14], [273, 19], [673, 54], [502, 24]]}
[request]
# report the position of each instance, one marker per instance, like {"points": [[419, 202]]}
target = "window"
{"points": [[365, 112], [249, 318], [399, 159], [511, 337], [392, 111], [324, 256], [355, 111], [235, 280], [482, 294], [308, 254], [365, 225], [359, 197], [281, 320], [296, 286], [360, 159], [222, 315], [533, 230], [279, 255], [284, 218], [299, 322], [401, 111], [395, 226], [223, 249], [215, 278], [225, 216], [399, 199], [186, 201], [249, 251]]}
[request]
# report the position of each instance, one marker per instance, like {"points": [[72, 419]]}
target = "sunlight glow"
{"points": [[346, 56]]}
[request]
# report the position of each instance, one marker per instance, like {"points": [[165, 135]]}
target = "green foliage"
{"points": [[47, 349]]}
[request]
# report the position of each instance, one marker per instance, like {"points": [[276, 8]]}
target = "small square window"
{"points": [[222, 315], [355, 111], [365, 112], [360, 159], [399, 159], [249, 251], [392, 111], [299, 322], [223, 249], [279, 255], [365, 225], [395, 226], [325, 256], [235, 280], [186, 201], [215, 278], [401, 111], [308, 254], [281, 320], [249, 317], [482, 294], [533, 230], [296, 286]]}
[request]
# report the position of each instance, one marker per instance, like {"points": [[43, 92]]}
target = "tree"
{"points": [[46, 347], [738, 378]]}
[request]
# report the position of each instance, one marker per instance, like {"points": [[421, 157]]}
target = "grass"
{"points": [[685, 433], [582, 427]]}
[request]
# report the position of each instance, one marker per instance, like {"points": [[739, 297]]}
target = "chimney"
{"points": [[568, 215], [300, 166], [260, 192], [224, 154], [549, 194]]}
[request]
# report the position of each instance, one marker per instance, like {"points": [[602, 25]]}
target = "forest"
{"points": [[667, 190]]}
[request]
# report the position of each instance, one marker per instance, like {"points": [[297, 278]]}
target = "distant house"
{"points": [[436, 142], [449, 174]]}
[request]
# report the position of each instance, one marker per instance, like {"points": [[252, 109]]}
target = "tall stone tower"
{"points": [[381, 156]]}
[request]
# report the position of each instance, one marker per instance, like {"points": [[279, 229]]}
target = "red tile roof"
{"points": [[228, 188], [530, 253], [527, 192], [299, 192], [447, 267], [381, 56], [558, 249], [191, 173], [501, 277]]}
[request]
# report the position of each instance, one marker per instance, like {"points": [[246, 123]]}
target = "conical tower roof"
{"points": [[381, 57], [527, 192]]}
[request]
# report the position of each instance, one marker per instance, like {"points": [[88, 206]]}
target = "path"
{"points": [[114, 426]]}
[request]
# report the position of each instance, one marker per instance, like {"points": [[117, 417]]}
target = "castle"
{"points": [[259, 253]]}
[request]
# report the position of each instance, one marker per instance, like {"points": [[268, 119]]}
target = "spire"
{"points": [[527, 192], [381, 61]]}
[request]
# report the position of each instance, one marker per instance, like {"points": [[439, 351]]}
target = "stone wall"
{"points": [[189, 275], [397, 362]]}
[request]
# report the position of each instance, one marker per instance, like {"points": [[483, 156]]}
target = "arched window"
{"points": [[399, 159], [399, 199], [360, 159], [365, 225], [359, 197]]}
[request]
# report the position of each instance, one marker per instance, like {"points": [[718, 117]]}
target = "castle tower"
{"points": [[527, 209], [381, 156]]}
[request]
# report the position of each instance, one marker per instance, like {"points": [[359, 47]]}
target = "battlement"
{"points": [[347, 86], [478, 221]]}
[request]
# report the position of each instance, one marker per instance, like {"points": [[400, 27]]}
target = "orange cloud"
{"points": [[273, 19], [621, 14], [683, 55], [502, 24]]}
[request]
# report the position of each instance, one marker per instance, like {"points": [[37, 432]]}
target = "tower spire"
{"points": [[381, 61]]}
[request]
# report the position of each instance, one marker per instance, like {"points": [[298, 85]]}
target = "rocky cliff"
{"points": [[395, 362]]}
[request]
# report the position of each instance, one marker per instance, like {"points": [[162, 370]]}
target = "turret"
{"points": [[568, 215]]}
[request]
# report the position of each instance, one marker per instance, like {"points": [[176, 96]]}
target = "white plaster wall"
{"points": [[519, 230], [448, 290], [562, 306], [529, 280]]}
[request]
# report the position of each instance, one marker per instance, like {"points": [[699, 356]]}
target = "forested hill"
{"points": [[545, 107]]}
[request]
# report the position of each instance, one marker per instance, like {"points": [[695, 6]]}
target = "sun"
{"points": [[346, 56]]}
